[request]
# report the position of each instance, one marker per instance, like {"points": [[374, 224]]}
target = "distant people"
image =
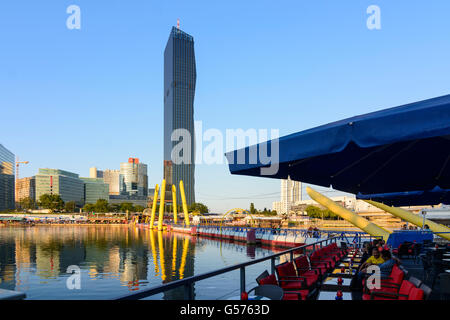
{"points": [[427, 227]]}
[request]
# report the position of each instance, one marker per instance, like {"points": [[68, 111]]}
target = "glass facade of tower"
{"points": [[67, 184], [179, 90], [7, 201], [95, 189]]}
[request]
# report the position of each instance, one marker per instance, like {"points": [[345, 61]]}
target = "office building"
{"points": [[26, 188], [291, 194], [179, 91], [113, 179], [95, 189], [7, 197], [94, 173], [134, 179], [67, 184]]}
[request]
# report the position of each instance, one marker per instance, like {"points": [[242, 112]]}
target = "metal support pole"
{"points": [[292, 255], [242, 279], [272, 265]]}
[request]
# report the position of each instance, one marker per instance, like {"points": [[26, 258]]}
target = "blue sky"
{"points": [[73, 99]]}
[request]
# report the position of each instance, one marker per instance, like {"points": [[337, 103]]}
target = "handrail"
{"points": [[188, 282]]}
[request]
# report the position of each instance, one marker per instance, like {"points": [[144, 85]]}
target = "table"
{"points": [[337, 273], [331, 295], [354, 260], [346, 265], [331, 284]]}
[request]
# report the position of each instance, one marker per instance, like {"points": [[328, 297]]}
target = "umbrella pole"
{"points": [[413, 218], [360, 222]]}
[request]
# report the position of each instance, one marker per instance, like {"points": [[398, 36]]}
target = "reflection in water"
{"points": [[114, 260]]}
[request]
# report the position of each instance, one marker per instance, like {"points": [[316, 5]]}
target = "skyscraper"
{"points": [[291, 193], [135, 179], [179, 91], [6, 179]]}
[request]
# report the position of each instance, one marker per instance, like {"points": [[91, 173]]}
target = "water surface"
{"points": [[116, 260]]}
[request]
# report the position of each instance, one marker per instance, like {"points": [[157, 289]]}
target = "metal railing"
{"points": [[188, 283]]}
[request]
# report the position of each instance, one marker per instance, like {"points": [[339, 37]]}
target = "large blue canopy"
{"points": [[393, 150], [412, 198]]}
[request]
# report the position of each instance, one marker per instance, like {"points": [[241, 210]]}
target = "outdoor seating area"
{"points": [[328, 274]]}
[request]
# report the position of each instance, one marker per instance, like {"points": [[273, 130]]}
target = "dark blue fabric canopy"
{"points": [[412, 198], [393, 150]]}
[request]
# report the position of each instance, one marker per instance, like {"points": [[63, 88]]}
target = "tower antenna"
{"points": [[178, 23]]}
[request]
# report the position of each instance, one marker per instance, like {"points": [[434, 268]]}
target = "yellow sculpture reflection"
{"points": [[183, 257], [161, 256]]}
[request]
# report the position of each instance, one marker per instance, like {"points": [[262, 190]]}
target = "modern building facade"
{"points": [[134, 179], [26, 188], [94, 173], [291, 194], [179, 90], [95, 189], [113, 179], [7, 174], [67, 184]]}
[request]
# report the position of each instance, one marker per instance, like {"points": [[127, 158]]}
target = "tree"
{"points": [[89, 207], [28, 203], [51, 201], [198, 207], [139, 208], [124, 206], [101, 206], [115, 207], [70, 206], [252, 208]]}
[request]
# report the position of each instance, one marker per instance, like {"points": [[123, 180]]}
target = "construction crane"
{"points": [[17, 174]]}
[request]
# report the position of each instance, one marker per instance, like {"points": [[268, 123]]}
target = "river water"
{"points": [[117, 260]]}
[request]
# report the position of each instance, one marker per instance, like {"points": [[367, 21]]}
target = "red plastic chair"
{"points": [[384, 294], [265, 279]]}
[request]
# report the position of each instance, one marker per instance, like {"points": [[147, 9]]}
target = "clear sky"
{"points": [[73, 99]]}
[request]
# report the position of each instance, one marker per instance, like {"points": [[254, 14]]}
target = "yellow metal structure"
{"points": [[174, 255], [161, 205], [183, 258], [155, 201], [348, 215], [161, 253], [155, 257], [413, 218], [174, 204], [183, 200]]}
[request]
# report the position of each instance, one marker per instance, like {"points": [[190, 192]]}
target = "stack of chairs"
{"points": [[396, 287], [301, 278]]}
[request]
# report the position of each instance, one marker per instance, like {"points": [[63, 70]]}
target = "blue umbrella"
{"points": [[393, 150], [412, 198]]}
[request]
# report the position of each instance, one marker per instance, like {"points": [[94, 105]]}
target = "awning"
{"points": [[412, 198], [393, 150]]}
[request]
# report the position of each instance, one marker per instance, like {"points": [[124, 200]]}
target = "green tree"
{"points": [[101, 206], [115, 207], [89, 207], [313, 212], [198, 207], [51, 201], [70, 206], [252, 208], [139, 208], [124, 206], [28, 203]]}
